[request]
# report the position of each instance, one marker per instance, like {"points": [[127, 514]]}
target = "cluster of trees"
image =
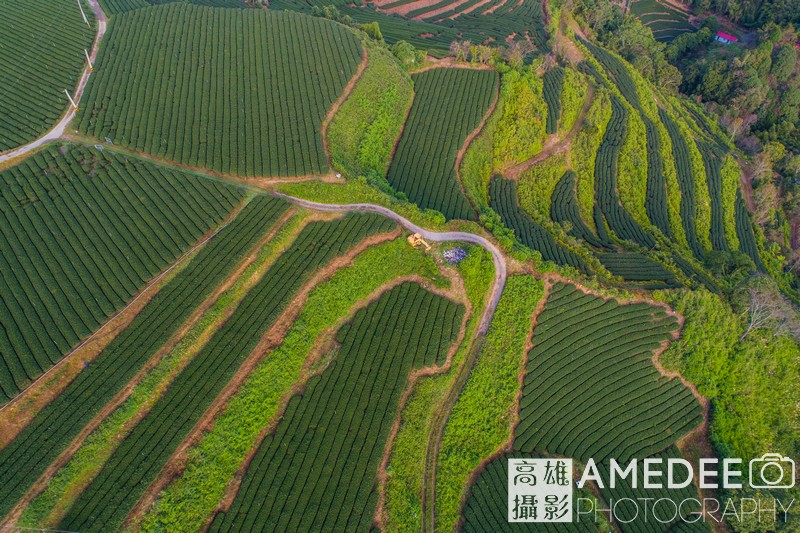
{"points": [[752, 12], [626, 35], [514, 54]]}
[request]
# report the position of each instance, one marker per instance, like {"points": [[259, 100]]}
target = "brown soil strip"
{"points": [[554, 145], [269, 183], [495, 7], [435, 12], [470, 9], [342, 97], [448, 62], [77, 442], [270, 340], [20, 410], [567, 46], [407, 8], [746, 181]]}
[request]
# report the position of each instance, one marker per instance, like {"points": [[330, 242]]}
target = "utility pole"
{"points": [[83, 14], [71, 101], [88, 60]]}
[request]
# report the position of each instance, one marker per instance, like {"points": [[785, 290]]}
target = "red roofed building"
{"points": [[725, 38]]}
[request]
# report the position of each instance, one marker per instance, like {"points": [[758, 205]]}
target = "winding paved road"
{"points": [[500, 273], [58, 130]]}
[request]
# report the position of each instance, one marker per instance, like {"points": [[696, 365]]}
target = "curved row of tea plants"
{"points": [[195, 101], [605, 174], [590, 389], [317, 471], [43, 54], [683, 166], [82, 231], [637, 267], [449, 104], [553, 84], [119, 485], [503, 199], [744, 230], [712, 159], [24, 459], [564, 210]]}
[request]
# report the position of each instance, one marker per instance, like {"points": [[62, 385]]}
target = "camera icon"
{"points": [[772, 471]]}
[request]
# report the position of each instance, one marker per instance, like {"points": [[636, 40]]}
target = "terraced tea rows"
{"points": [[713, 164], [656, 187], [27, 456], [590, 389], [81, 233], [113, 7], [605, 175], [744, 230], [193, 101], [325, 452], [449, 104], [503, 199], [564, 209], [663, 18], [43, 44], [118, 486], [553, 82], [638, 267], [683, 166]]}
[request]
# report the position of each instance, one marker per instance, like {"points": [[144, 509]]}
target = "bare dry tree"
{"points": [[767, 308]]}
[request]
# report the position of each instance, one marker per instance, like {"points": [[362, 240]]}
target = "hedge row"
{"points": [[237, 91], [564, 209], [118, 486], [82, 232], [24, 459], [317, 471]]}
